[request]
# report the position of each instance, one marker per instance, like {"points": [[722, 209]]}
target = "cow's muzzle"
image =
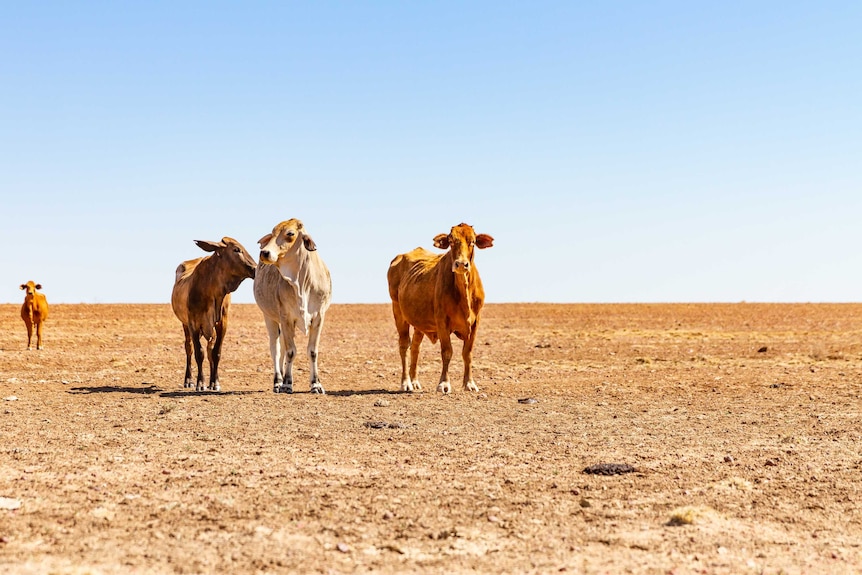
{"points": [[460, 266]]}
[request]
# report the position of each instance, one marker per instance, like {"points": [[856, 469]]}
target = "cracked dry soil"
{"points": [[742, 422]]}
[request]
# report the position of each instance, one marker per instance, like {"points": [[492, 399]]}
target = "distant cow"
{"points": [[34, 312], [201, 300], [438, 294], [293, 290]]}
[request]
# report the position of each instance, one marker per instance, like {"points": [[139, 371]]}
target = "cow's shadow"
{"points": [[205, 393], [148, 390], [351, 392]]}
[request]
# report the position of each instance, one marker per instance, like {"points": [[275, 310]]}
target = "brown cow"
{"points": [[34, 312], [201, 300], [438, 294]]}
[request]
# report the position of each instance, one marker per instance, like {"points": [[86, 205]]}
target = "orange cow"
{"points": [[438, 294], [34, 312]]}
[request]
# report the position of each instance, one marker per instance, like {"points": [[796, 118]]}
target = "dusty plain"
{"points": [[743, 423]]}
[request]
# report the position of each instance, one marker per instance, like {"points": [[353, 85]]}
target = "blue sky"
{"points": [[616, 151]]}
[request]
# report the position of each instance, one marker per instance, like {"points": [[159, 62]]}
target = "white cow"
{"points": [[293, 289]]}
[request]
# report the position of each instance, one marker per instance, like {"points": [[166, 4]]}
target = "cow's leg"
{"points": [[275, 352], [467, 355], [214, 352], [39, 333], [215, 347], [188, 382], [29, 323], [403, 345], [313, 344], [414, 359], [199, 360], [446, 355], [289, 348]]}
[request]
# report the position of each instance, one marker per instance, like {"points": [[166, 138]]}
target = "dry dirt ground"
{"points": [[742, 422]]}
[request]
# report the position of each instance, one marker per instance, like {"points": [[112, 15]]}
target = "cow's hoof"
{"points": [[284, 388], [215, 387], [471, 386], [407, 386], [318, 389], [444, 387]]}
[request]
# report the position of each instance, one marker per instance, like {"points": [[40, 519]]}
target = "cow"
{"points": [[293, 289], [201, 301], [34, 312], [438, 294]]}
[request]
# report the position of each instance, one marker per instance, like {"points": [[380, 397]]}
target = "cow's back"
{"points": [[182, 285], [412, 284]]}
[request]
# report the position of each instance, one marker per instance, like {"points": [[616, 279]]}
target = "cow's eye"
{"points": [[236, 250]]}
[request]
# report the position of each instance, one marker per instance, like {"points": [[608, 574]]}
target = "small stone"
{"points": [[10, 398], [609, 469], [103, 513], [381, 403], [9, 503], [728, 459], [343, 547], [528, 400]]}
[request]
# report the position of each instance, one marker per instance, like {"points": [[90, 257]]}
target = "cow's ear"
{"points": [[484, 241], [208, 246], [441, 241], [23, 286], [264, 240], [309, 243], [38, 286]]}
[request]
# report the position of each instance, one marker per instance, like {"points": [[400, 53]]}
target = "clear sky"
{"points": [[621, 151]]}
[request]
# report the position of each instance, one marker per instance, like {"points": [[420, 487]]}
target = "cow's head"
{"points": [[31, 287], [233, 254], [462, 241], [286, 237]]}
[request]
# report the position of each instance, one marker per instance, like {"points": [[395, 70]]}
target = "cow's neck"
{"points": [[464, 287], [209, 268], [294, 269], [296, 272]]}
